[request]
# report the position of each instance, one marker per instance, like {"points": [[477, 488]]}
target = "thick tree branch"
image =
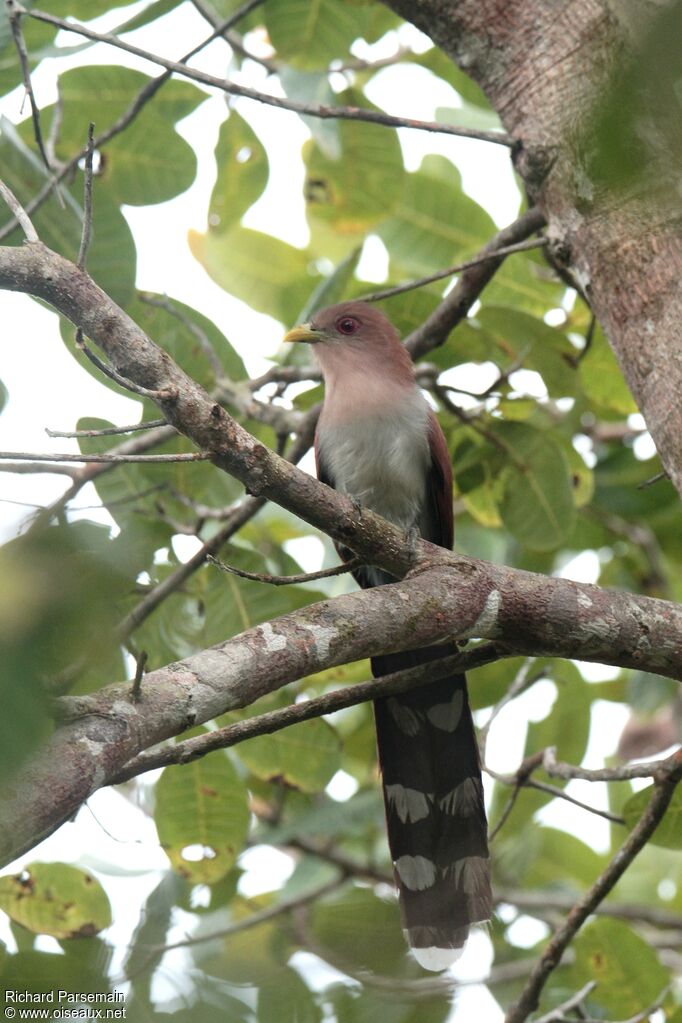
{"points": [[460, 598]]}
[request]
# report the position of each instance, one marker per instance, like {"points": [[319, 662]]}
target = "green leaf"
{"points": [[628, 973], [311, 34], [313, 87], [669, 832], [202, 817], [469, 116], [537, 506], [266, 273], [45, 972], [304, 756], [186, 334], [56, 899], [333, 288], [549, 854], [111, 257], [149, 162], [602, 379], [37, 36], [215, 605], [567, 725], [353, 192], [520, 336], [360, 815], [242, 173], [435, 223], [436, 61], [359, 929]]}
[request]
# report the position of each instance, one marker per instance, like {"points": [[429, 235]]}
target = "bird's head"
{"points": [[354, 337], [351, 324]]}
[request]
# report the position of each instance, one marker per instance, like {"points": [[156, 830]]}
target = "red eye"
{"points": [[347, 325]]}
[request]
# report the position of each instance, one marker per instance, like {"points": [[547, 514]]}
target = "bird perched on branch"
{"points": [[379, 442]]}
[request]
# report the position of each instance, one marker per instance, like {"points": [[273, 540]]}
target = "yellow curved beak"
{"points": [[304, 332]]}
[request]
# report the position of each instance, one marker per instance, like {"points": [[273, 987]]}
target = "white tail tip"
{"points": [[436, 959]]}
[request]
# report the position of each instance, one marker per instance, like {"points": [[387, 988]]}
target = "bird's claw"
{"points": [[356, 505], [412, 537]]}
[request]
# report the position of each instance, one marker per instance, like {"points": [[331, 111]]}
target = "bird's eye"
{"points": [[347, 325]]}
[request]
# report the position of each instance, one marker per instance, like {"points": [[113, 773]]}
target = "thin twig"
{"points": [[663, 475], [27, 468], [136, 692], [589, 338], [14, 12], [86, 232], [543, 899], [107, 431], [457, 303], [143, 97], [25, 456], [261, 916], [21, 216], [281, 103], [523, 679], [625, 772], [240, 515], [90, 473], [162, 395], [666, 781], [275, 720], [207, 348], [287, 580], [419, 282], [571, 1003]]}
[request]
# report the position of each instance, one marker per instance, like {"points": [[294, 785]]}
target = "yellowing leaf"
{"points": [[669, 832], [305, 756], [56, 899], [202, 817]]}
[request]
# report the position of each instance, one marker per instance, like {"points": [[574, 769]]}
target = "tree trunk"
{"points": [[542, 64]]}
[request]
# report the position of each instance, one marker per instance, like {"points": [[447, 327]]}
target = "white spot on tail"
{"points": [[446, 716], [464, 800], [436, 959], [472, 874], [410, 804], [416, 872], [405, 718]]}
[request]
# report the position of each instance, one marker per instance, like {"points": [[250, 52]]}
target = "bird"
{"points": [[379, 442]]}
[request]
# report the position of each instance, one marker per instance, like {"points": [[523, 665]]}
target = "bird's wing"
{"points": [[436, 522]]}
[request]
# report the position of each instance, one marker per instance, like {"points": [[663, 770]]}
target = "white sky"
{"points": [[48, 389]]}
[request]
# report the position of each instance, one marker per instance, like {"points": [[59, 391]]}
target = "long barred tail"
{"points": [[437, 829]]}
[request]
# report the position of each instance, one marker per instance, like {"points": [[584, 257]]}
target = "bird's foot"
{"points": [[356, 505], [412, 537]]}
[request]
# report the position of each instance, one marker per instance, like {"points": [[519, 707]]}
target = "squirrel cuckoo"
{"points": [[379, 442]]}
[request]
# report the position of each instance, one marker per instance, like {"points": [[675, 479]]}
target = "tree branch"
{"points": [[515, 609], [666, 781], [274, 721], [455, 306], [281, 103]]}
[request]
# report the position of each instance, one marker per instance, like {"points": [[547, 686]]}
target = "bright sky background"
{"points": [[48, 389]]}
